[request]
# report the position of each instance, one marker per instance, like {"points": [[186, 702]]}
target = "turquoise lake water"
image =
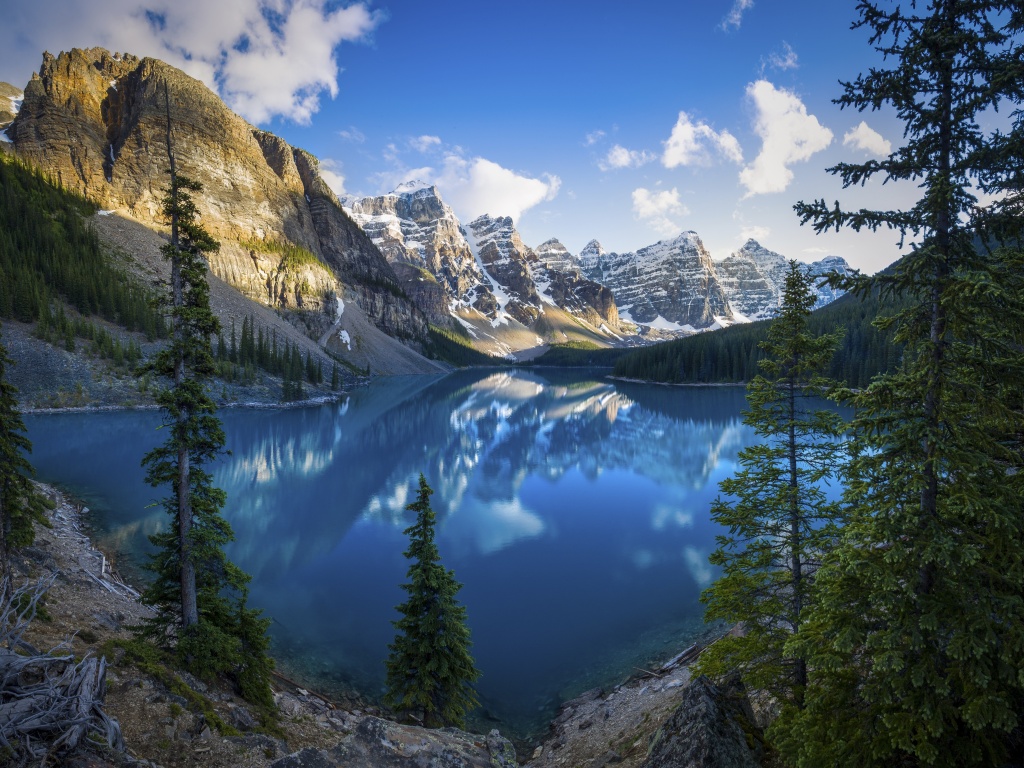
{"points": [[574, 510]]}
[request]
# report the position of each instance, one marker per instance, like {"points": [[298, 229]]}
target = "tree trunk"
{"points": [[189, 605]]}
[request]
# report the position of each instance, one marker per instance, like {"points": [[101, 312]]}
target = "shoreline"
{"points": [[640, 699]]}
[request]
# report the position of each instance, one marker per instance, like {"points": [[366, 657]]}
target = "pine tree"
{"points": [[917, 637], [429, 670], [20, 504], [193, 579], [779, 519]]}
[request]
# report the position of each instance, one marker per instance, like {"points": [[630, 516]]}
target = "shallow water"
{"points": [[573, 509]]}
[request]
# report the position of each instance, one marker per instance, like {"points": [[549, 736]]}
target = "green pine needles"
{"points": [[429, 670], [20, 504], [200, 596], [916, 636], [779, 519]]}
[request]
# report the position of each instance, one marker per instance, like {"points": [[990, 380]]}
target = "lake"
{"points": [[574, 510]]}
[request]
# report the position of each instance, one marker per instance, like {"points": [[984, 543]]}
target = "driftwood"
{"points": [[49, 704]]}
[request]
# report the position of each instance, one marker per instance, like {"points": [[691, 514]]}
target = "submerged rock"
{"points": [[713, 727]]}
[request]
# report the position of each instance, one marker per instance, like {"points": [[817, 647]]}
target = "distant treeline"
{"points": [[455, 347], [732, 354], [240, 354]]}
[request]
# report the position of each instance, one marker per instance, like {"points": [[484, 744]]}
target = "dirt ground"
{"points": [[88, 605]]}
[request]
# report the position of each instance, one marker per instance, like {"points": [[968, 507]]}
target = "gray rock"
{"points": [[306, 758], [713, 727], [378, 743]]}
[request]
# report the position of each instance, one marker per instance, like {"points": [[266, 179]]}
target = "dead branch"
{"points": [[49, 705]]}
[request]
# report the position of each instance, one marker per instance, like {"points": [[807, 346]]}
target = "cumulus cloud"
{"points": [[265, 58], [866, 139], [692, 143], [734, 18], [425, 143], [330, 171], [754, 233], [782, 60], [477, 186], [788, 135], [472, 185], [660, 209], [592, 138], [620, 157]]}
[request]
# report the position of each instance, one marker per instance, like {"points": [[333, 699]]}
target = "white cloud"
{"points": [[735, 16], [691, 144], [352, 134], [592, 138], [266, 58], [784, 59], [620, 157], [659, 209], [472, 185], [788, 135], [754, 233], [476, 186], [330, 171], [868, 140], [425, 143]]}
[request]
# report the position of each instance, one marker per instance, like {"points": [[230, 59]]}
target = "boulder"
{"points": [[713, 727]]}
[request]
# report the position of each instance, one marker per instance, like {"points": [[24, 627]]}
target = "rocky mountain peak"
{"points": [[668, 286], [555, 255], [97, 122], [754, 279], [10, 102]]}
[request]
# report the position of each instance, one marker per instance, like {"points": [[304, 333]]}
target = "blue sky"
{"points": [[624, 122]]}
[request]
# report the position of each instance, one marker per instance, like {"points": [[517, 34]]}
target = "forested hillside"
{"points": [[54, 272], [732, 354]]}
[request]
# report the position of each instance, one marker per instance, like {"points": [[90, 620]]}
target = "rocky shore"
{"points": [[89, 606]]}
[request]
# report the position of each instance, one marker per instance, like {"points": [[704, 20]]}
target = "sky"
{"points": [[622, 122]]}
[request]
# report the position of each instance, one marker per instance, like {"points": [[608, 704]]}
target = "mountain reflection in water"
{"points": [[574, 509]]}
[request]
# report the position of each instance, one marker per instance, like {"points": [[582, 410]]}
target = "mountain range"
{"points": [[98, 124]]}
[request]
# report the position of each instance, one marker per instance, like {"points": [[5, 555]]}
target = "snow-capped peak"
{"points": [[408, 187]]}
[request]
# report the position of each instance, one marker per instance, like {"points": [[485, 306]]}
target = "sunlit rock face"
{"points": [[98, 123], [671, 285], [754, 279], [482, 266], [421, 237]]}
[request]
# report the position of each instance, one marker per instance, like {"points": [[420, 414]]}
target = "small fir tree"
{"points": [[20, 503], [779, 519], [430, 670]]}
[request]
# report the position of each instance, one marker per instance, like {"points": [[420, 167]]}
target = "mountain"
{"points": [[97, 123], [482, 275], [10, 103], [420, 236], [754, 278], [671, 285]]}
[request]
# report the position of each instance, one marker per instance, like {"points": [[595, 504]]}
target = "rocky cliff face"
{"points": [[754, 279], [671, 285], [10, 102], [421, 237], [484, 267], [98, 123]]}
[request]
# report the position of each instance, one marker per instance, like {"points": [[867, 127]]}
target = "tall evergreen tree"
{"points": [[917, 637], [194, 581], [20, 504], [429, 670], [779, 518]]}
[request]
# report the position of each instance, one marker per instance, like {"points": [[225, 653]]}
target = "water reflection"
{"points": [[573, 508]]}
